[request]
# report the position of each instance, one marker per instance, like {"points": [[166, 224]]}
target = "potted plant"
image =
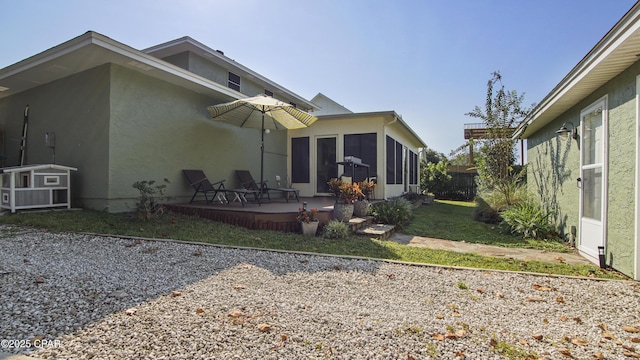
{"points": [[346, 195], [361, 206], [308, 220]]}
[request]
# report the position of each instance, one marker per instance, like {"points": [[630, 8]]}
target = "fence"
{"points": [[462, 185]]}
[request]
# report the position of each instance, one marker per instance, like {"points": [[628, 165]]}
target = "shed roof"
{"points": [[37, 167]]}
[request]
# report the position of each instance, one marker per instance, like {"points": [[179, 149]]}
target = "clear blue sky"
{"points": [[429, 60]]}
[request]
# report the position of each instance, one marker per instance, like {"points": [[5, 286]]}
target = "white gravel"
{"points": [[69, 296]]}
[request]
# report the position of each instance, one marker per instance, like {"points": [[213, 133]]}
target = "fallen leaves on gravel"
{"points": [[577, 341], [543, 288], [631, 329], [632, 354], [264, 327], [565, 352], [534, 299]]}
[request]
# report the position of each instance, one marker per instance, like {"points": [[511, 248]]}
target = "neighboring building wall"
{"points": [[558, 189]]}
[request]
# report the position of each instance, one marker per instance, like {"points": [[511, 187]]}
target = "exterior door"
{"points": [[326, 167], [593, 179]]}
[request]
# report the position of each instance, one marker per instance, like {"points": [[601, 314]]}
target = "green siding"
{"points": [[119, 126], [554, 166], [76, 109], [158, 129]]}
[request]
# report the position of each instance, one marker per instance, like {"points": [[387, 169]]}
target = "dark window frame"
{"points": [[233, 81], [301, 160], [365, 147]]}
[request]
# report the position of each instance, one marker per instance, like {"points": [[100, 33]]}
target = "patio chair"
{"points": [[201, 184], [247, 181]]}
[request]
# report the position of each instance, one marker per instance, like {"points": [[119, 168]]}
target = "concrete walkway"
{"points": [[572, 258]]}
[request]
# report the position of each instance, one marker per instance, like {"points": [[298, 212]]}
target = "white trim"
{"points": [[636, 227], [603, 104], [50, 180]]}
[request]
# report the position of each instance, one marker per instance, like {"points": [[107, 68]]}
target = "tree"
{"points": [[434, 177], [502, 112], [432, 156]]}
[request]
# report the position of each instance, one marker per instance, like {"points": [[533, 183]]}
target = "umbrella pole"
{"points": [[262, 156]]}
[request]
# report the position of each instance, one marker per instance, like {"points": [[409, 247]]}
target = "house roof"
{"points": [[328, 106], [92, 49], [614, 53], [189, 44], [394, 120]]}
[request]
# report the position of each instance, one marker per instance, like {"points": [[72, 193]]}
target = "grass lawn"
{"points": [[453, 220], [179, 227]]}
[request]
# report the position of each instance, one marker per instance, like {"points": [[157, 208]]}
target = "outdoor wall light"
{"points": [[564, 131], [602, 257], [267, 131]]}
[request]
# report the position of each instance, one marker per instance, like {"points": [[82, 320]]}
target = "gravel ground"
{"points": [[83, 296]]}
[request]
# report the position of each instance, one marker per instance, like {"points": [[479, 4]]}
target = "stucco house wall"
{"points": [[122, 115], [118, 126], [76, 109], [554, 166], [339, 125]]}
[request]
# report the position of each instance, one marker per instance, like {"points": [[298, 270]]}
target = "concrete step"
{"points": [[356, 223], [366, 227], [378, 231]]}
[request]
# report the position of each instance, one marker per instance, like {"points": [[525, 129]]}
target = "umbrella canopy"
{"points": [[261, 112]]}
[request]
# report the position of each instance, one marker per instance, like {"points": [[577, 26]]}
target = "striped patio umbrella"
{"points": [[261, 112]]}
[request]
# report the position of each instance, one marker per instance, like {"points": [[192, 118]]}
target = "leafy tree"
{"points": [[434, 177], [503, 111], [432, 156]]}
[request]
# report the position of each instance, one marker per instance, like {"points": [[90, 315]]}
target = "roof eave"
{"points": [[614, 53], [392, 115]]}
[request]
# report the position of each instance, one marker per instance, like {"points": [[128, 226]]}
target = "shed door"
{"points": [[593, 179]]}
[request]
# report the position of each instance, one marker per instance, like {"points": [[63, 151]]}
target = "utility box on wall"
{"points": [[36, 186]]}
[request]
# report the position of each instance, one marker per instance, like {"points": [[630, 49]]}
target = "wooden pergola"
{"points": [[479, 131]]}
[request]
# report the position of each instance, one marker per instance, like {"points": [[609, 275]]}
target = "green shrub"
{"points": [[485, 213], [150, 200], [528, 219], [504, 193], [335, 229], [392, 212]]}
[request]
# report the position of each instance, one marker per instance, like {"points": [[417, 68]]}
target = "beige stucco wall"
{"points": [[554, 166], [339, 126]]}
